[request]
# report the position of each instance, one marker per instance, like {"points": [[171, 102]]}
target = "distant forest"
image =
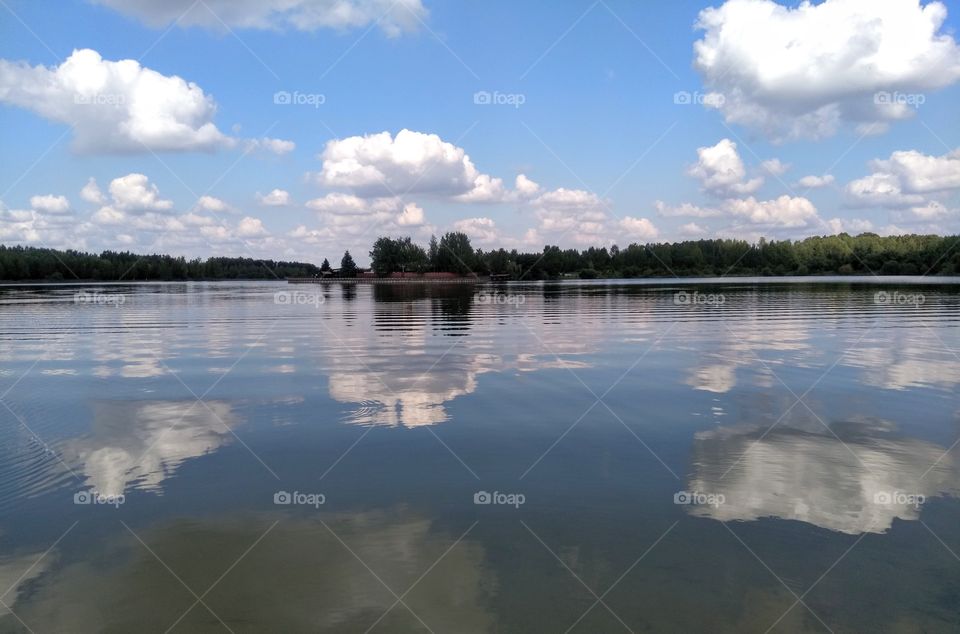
{"points": [[838, 255], [32, 264]]}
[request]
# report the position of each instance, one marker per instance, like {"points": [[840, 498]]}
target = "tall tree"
{"points": [[348, 268], [433, 253], [455, 253]]}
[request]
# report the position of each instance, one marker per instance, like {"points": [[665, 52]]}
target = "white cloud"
{"points": [[379, 165], [721, 172], [486, 189], [276, 146], [920, 173], [775, 167], [802, 71], [785, 211], [136, 194], [411, 216], [347, 204], [50, 204], [115, 106], [815, 182], [251, 228], [879, 189], [932, 210], [565, 209], [526, 187], [480, 230], [276, 198], [638, 228], [212, 204], [853, 226], [91, 192], [692, 230], [685, 210], [916, 186], [394, 17], [196, 220]]}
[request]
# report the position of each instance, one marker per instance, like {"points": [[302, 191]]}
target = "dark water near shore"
{"points": [[723, 456]]}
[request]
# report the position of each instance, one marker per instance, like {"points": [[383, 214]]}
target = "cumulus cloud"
{"points": [[249, 227], [815, 182], [275, 146], [349, 215], [213, 205], [722, 174], [480, 230], [720, 170], [853, 226], [879, 189], [115, 106], [411, 216], [50, 204], [135, 193], [906, 179], [931, 210], [394, 17], [526, 187], [783, 212], [91, 192], [276, 198], [920, 173], [692, 230], [793, 72], [688, 210], [638, 228], [378, 165], [775, 167]]}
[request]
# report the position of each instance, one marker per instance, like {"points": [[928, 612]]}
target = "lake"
{"points": [[729, 455]]}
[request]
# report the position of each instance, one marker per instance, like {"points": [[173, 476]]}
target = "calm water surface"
{"points": [[590, 457]]}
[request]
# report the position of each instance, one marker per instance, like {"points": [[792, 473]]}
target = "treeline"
{"points": [[30, 263], [840, 255]]}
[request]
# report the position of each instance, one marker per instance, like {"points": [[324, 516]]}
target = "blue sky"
{"points": [[588, 115]]}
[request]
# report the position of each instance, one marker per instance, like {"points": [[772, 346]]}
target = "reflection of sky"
{"points": [[835, 482], [400, 372], [141, 443], [17, 571], [298, 578]]}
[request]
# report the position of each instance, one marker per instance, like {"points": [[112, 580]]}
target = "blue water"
{"points": [[742, 455]]}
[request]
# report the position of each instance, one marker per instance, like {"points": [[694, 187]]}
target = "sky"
{"points": [[296, 129]]}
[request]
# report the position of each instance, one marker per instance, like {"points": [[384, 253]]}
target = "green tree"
{"points": [[348, 268], [385, 256], [433, 253], [455, 253], [325, 266]]}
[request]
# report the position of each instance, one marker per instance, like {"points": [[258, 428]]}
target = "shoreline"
{"points": [[769, 279]]}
